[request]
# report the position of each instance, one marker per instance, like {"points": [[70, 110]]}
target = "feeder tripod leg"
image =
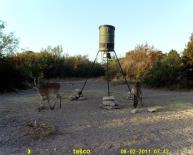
{"points": [[87, 78], [108, 77], [122, 72]]}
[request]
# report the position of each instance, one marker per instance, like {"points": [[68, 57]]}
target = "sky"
{"points": [[165, 24]]}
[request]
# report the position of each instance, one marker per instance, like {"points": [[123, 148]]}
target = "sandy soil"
{"points": [[83, 125]]}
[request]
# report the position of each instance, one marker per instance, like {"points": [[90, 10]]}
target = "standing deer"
{"points": [[136, 94], [47, 90]]}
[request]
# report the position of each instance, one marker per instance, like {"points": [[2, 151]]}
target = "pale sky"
{"points": [[165, 24]]}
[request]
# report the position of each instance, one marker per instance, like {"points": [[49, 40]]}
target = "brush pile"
{"points": [[38, 130]]}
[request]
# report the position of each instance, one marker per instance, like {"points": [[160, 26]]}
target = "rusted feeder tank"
{"points": [[106, 38]]}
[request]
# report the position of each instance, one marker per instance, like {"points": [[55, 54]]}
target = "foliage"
{"points": [[166, 72], [8, 42], [188, 52], [144, 63], [9, 74], [187, 60], [11, 77], [138, 61], [20, 68], [114, 70], [161, 75]]}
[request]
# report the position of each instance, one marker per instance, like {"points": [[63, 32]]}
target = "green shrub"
{"points": [[162, 75], [11, 77]]}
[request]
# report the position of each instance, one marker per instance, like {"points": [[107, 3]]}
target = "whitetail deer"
{"points": [[47, 90], [136, 94]]}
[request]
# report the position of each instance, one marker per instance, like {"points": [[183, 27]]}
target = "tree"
{"points": [[188, 51], [172, 58], [187, 60], [167, 72], [138, 61], [56, 51], [8, 42]]}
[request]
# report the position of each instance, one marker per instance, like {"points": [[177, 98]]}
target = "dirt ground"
{"points": [[84, 125]]}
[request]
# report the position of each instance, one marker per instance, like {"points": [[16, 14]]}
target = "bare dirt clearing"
{"points": [[83, 125]]}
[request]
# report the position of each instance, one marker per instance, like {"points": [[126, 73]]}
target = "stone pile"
{"points": [[154, 109], [149, 109], [109, 103]]}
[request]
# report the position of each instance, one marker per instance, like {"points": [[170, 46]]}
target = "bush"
{"points": [[11, 77], [167, 72], [18, 70], [161, 75], [138, 61]]}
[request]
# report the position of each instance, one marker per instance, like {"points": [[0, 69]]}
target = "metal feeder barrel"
{"points": [[106, 38]]}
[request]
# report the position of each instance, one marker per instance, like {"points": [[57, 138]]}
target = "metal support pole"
{"points": [[108, 76], [87, 78], [122, 72]]}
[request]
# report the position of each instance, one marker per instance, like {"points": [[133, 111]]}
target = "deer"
{"points": [[136, 94], [46, 90]]}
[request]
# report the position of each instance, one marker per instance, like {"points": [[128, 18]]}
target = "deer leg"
{"points": [[54, 104], [60, 98], [57, 97], [41, 104], [135, 101], [51, 108], [141, 101]]}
